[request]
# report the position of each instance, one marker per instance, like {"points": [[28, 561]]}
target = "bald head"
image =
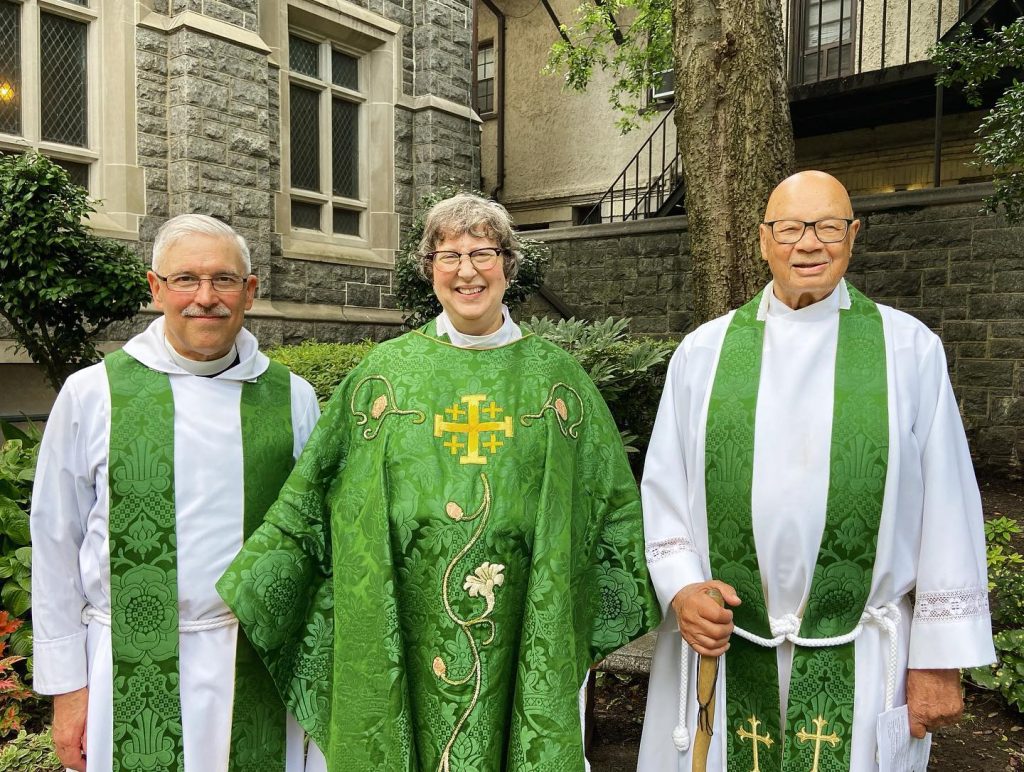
{"points": [[806, 191], [809, 269]]}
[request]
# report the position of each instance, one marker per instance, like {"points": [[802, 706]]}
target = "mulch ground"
{"points": [[990, 738]]}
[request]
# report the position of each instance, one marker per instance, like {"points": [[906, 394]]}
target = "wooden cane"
{"points": [[707, 678]]}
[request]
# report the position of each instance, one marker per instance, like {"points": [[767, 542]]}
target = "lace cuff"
{"points": [[658, 550], [950, 605]]}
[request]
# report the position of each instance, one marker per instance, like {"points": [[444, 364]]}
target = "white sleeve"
{"points": [[305, 412], [672, 557], [62, 497], [951, 627]]}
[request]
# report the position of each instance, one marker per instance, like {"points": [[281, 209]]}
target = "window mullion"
{"points": [[326, 167], [31, 110]]}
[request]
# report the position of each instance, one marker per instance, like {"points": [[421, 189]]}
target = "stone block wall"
{"points": [[209, 140], [931, 253]]}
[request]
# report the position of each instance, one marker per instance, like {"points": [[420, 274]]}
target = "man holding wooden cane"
{"points": [[809, 463]]}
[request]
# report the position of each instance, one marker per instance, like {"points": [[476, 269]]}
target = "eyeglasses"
{"points": [[189, 282], [482, 258], [828, 230]]}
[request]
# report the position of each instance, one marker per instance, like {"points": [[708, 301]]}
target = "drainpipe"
{"points": [[500, 170]]}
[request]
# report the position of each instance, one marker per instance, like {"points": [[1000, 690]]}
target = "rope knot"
{"points": [[784, 626]]}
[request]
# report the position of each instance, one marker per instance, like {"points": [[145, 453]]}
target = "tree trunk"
{"points": [[735, 137]]}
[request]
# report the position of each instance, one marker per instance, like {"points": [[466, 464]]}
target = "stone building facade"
{"points": [[311, 126], [931, 253]]}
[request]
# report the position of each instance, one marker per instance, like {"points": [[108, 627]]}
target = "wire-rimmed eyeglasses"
{"points": [[482, 258], [189, 282]]}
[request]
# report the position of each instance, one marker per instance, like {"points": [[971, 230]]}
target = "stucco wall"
{"points": [[561, 146], [930, 253]]}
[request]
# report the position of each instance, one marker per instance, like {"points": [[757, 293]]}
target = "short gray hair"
{"points": [[469, 213], [177, 228]]}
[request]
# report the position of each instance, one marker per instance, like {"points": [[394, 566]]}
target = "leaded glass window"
{"points": [[303, 56], [10, 68], [325, 107], [345, 147], [346, 221], [305, 137], [78, 173], [62, 80], [344, 70], [305, 215]]}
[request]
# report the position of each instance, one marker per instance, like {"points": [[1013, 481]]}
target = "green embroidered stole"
{"points": [[819, 717], [143, 568]]}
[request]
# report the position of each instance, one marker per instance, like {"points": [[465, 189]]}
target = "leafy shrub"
{"points": [[12, 690], [415, 294], [60, 286], [17, 470], [629, 372], [324, 365], [1007, 675], [1005, 572], [30, 752]]}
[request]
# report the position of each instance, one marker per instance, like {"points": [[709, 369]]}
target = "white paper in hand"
{"points": [[897, 750]]}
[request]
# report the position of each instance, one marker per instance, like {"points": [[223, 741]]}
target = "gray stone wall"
{"points": [[209, 141], [931, 253]]}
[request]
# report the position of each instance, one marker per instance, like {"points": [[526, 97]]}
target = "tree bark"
{"points": [[735, 137]]}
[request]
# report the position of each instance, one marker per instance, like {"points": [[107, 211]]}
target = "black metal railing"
{"points": [[864, 36], [650, 181]]}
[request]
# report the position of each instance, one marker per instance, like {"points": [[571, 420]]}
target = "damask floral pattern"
{"points": [[821, 687], [147, 727], [381, 522]]}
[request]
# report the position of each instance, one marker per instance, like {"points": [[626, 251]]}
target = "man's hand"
{"points": [[69, 720], [702, 622], [934, 699]]}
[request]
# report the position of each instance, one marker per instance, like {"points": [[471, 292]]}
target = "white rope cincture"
{"points": [[681, 734], [785, 629], [93, 614]]}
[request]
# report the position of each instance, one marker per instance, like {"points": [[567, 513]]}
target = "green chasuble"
{"points": [[460, 540], [147, 726]]}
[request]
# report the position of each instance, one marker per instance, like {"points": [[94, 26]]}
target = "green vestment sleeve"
{"points": [[459, 542]]}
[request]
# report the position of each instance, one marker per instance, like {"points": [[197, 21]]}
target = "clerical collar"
{"points": [[771, 306], [206, 369], [507, 333]]}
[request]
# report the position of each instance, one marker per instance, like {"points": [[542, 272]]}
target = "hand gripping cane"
{"points": [[707, 678]]}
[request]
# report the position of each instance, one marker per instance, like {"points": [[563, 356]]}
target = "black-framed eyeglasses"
{"points": [[482, 258], [189, 282], [829, 230]]}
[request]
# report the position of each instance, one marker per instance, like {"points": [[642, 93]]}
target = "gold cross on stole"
{"points": [[818, 738], [472, 428], [755, 738]]}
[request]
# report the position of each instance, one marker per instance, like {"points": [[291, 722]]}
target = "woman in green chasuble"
{"points": [[459, 542]]}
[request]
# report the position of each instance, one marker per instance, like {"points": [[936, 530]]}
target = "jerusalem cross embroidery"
{"points": [[466, 435]]}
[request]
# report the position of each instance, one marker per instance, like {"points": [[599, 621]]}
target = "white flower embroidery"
{"points": [[483, 581]]}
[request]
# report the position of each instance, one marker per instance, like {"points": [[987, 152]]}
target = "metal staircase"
{"points": [[651, 185]]}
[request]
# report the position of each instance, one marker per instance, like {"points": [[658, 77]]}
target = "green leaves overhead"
{"points": [[971, 63], [630, 38]]}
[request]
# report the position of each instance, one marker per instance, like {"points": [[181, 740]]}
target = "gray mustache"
{"points": [[220, 310]]}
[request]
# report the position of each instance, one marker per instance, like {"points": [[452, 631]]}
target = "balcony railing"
{"points": [[827, 39]]}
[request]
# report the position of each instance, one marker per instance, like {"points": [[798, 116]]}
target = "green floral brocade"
{"points": [[821, 694], [460, 540], [147, 729]]}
